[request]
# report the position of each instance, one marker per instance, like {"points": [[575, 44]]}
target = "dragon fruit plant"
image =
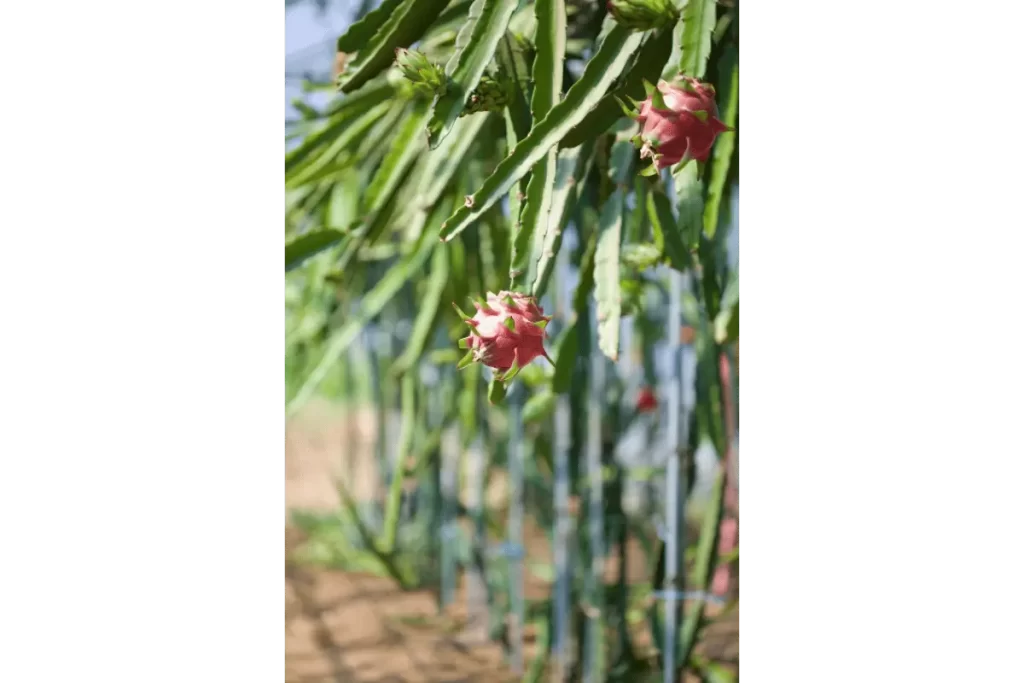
{"points": [[480, 145], [506, 334]]}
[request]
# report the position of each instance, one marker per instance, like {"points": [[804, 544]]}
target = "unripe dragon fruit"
{"points": [[506, 333], [490, 94], [678, 122]]}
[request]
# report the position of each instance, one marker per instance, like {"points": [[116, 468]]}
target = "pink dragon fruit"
{"points": [[506, 333], [678, 122]]}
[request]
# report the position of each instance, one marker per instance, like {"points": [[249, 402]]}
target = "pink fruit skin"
{"points": [[677, 133], [728, 535], [494, 344]]}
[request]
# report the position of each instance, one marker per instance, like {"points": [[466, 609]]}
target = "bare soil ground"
{"points": [[348, 628]]}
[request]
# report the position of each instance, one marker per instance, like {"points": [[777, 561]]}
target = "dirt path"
{"points": [[344, 628], [349, 628]]}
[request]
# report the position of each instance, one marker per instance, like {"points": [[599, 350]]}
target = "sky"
{"points": [[309, 44]]}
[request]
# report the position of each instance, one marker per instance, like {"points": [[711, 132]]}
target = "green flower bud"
{"points": [[643, 15], [425, 77]]}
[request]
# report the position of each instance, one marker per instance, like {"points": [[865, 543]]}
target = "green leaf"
{"points": [[549, 41], [462, 313], [600, 72], [468, 417], [571, 171], [627, 111], [640, 256], [304, 109], [666, 231], [438, 168], [636, 223], [709, 390], [405, 25], [443, 162], [509, 375], [658, 100], [334, 158], [343, 205], [534, 377], [721, 26], [443, 356], [710, 289], [606, 275], [404, 150], [586, 282], [704, 565], [307, 206], [512, 62], [632, 295], [349, 109], [540, 660], [566, 351], [474, 49], [400, 573], [523, 26], [494, 238], [496, 389], [621, 165], [360, 33], [695, 36], [727, 322], [429, 308], [539, 407], [547, 90], [727, 328], [711, 672], [650, 171], [517, 198], [380, 197], [454, 13], [648, 65], [725, 144], [312, 243], [394, 499], [371, 305], [690, 203]]}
